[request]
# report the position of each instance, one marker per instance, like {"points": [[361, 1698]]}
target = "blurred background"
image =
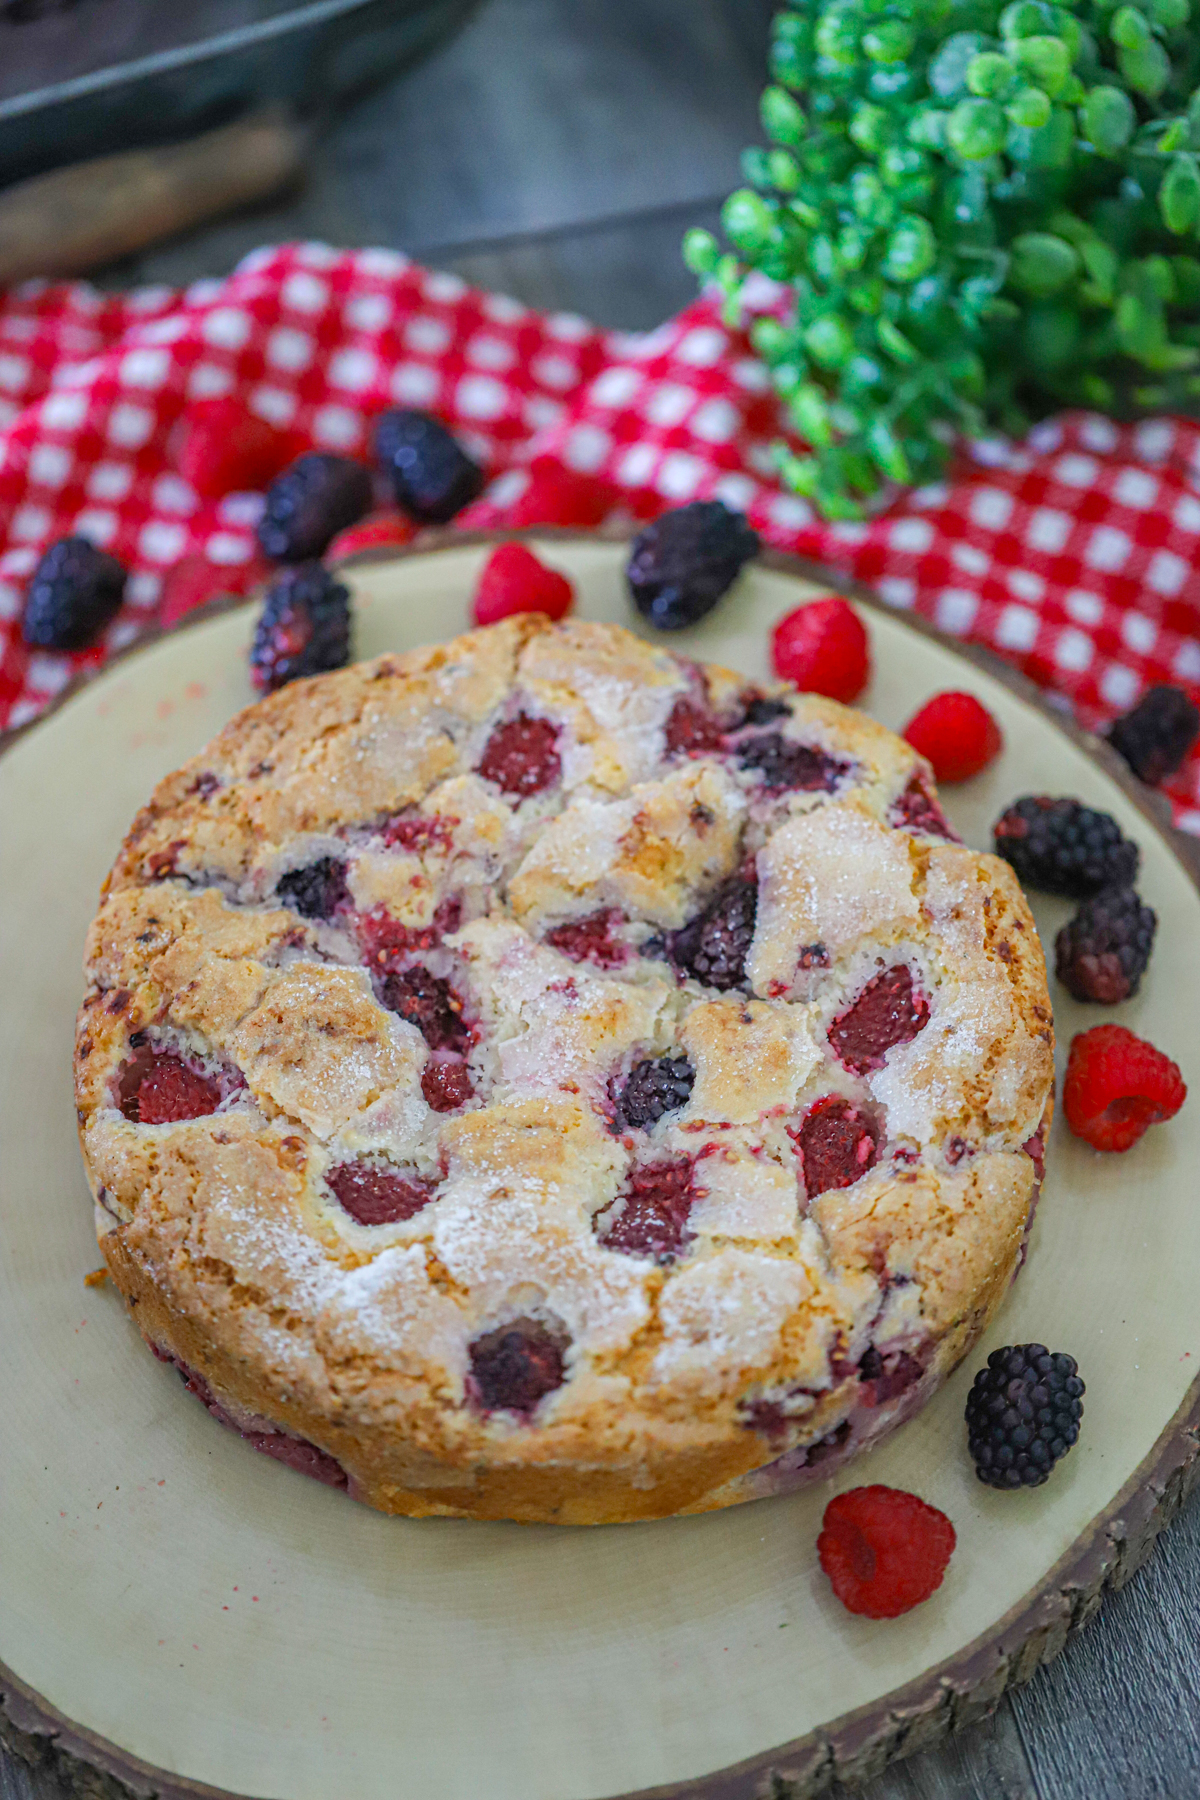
{"points": [[552, 149]]}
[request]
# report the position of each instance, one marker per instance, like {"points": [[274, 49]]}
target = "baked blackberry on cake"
{"points": [[538, 1077]]}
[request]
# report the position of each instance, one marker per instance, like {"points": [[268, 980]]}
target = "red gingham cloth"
{"points": [[1074, 554]]}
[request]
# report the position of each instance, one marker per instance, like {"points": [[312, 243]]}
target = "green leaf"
{"points": [[1107, 119], [1179, 195], [810, 413], [749, 222], [800, 473], [829, 341], [1147, 70], [990, 75], [889, 41], [886, 450], [1024, 18], [700, 252], [911, 250], [896, 345], [1130, 29], [868, 127], [1102, 263], [783, 118], [1170, 15], [948, 71], [1042, 264], [837, 37], [1045, 61], [784, 171], [1029, 108], [976, 129], [770, 338], [1187, 281]]}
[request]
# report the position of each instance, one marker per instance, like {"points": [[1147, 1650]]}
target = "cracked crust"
{"points": [[789, 1325]]}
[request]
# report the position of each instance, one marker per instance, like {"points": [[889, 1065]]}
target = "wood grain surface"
{"points": [[485, 160]]}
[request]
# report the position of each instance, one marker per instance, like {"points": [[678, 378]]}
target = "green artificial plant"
{"points": [[982, 212]]}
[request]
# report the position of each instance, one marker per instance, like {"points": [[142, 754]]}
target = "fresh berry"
{"points": [[303, 629], [917, 810], [430, 1003], [1023, 1414], [956, 734], [786, 765], [431, 474], [514, 581], [521, 756], [713, 947], [1064, 847], [317, 890], [514, 1368], [837, 1143], [1156, 736], [682, 563], [159, 1089], [653, 1088], [446, 1086], [1117, 1086], [378, 534], [1101, 954], [557, 495], [890, 1010], [883, 1550], [376, 1195], [692, 730], [591, 939], [310, 503], [224, 449], [823, 647], [193, 581], [649, 1218], [72, 594]]}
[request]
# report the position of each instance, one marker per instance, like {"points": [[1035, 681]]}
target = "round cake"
{"points": [[541, 1077]]}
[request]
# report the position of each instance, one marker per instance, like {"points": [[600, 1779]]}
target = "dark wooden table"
{"points": [[557, 150]]}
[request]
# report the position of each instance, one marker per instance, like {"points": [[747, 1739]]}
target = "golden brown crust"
{"points": [[782, 1314]]}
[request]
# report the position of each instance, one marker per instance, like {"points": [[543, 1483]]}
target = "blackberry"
{"points": [[1101, 954], [431, 474], [784, 764], [303, 629], [713, 946], [1156, 736], [762, 711], [1064, 847], [1023, 1414], [314, 499], [72, 594], [513, 1368], [315, 892], [430, 1004], [655, 1087], [680, 565]]}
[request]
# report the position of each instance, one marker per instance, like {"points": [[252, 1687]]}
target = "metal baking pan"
{"points": [[91, 76]]}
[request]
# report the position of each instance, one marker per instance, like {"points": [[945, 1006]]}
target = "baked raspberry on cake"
{"points": [[539, 1077]]}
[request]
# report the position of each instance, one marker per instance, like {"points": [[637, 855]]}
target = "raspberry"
{"points": [[72, 594], [1064, 847], [591, 939], [521, 756], [194, 581], [1117, 1086], [785, 765], [431, 474], [956, 734], [883, 1550], [387, 944], [917, 810], [654, 1087], [303, 629], [159, 1088], [376, 1195], [418, 833], [649, 1217], [823, 647], [429, 1003], [557, 495], [890, 1010], [680, 565], [837, 1143], [514, 1368], [315, 892], [224, 449], [713, 947], [1023, 1414], [1156, 736], [514, 581], [314, 499], [1102, 953], [691, 730], [446, 1086], [376, 535]]}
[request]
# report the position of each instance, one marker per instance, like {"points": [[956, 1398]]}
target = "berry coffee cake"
{"points": [[538, 1077]]}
